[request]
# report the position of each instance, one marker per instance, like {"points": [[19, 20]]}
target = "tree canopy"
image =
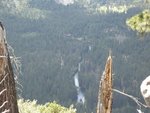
{"points": [[140, 22], [32, 107]]}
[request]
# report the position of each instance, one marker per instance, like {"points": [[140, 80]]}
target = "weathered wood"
{"points": [[105, 89], [8, 99]]}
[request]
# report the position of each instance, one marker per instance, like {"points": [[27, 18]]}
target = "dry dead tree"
{"points": [[105, 89], [8, 99], [104, 104]]}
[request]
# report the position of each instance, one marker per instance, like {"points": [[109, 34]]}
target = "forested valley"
{"points": [[54, 41]]}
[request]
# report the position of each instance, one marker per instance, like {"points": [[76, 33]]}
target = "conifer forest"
{"points": [[53, 54]]}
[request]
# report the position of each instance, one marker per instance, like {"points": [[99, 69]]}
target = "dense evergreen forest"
{"points": [[52, 39]]}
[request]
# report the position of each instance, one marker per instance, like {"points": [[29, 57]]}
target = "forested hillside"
{"points": [[53, 39]]}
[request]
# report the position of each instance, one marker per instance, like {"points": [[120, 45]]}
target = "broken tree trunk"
{"points": [[105, 89], [8, 99]]}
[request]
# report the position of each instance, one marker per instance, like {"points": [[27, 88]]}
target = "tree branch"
{"points": [[3, 91], [132, 97], [3, 79], [3, 104], [6, 111]]}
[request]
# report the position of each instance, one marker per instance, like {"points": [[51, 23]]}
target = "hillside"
{"points": [[53, 39]]}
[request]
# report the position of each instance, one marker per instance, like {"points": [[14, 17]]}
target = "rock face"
{"points": [[8, 99], [145, 90]]}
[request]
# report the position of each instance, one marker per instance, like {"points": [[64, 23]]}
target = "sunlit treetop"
{"points": [[27, 106], [140, 22], [21, 8]]}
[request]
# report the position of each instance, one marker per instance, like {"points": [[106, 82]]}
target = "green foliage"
{"points": [[21, 9], [66, 34], [27, 106], [33, 13], [113, 8], [55, 108], [140, 22]]}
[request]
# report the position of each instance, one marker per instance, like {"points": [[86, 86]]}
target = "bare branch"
{"points": [[15, 60], [132, 97], [16, 63], [139, 111], [3, 104], [2, 56], [18, 83], [6, 111], [3, 78], [2, 91]]}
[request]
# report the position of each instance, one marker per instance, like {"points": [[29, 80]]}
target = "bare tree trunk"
{"points": [[105, 89], [8, 99]]}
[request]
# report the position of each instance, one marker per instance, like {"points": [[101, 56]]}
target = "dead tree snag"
{"points": [[105, 89], [8, 99]]}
